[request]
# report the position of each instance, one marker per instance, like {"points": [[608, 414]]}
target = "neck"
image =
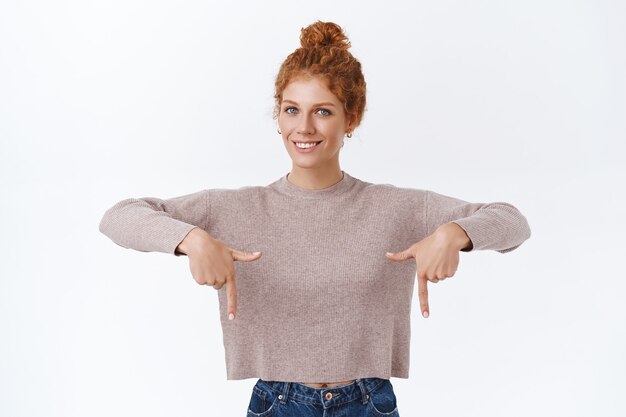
{"points": [[314, 179]]}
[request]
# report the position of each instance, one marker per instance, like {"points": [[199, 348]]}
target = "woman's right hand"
{"points": [[212, 263]]}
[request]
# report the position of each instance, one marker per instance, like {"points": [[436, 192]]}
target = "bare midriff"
{"points": [[327, 384]]}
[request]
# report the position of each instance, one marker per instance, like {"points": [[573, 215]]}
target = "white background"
{"points": [[513, 101]]}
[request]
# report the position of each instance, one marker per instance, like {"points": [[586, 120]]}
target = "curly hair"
{"points": [[324, 53]]}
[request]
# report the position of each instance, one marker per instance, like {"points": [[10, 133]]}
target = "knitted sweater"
{"points": [[323, 302]]}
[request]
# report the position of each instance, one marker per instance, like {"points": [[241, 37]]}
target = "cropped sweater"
{"points": [[323, 302]]}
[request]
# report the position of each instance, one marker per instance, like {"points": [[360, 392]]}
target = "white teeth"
{"points": [[305, 145]]}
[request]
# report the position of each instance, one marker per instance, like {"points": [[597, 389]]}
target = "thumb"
{"points": [[245, 256], [399, 256]]}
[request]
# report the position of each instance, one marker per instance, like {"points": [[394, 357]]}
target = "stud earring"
{"points": [[279, 132], [349, 134]]}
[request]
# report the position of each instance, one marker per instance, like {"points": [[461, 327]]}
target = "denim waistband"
{"points": [[331, 396]]}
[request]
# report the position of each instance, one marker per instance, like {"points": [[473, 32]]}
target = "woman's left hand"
{"points": [[436, 258]]}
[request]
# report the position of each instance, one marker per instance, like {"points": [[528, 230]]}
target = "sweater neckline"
{"points": [[338, 188]]}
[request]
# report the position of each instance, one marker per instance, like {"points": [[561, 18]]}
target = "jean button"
{"points": [[329, 395]]}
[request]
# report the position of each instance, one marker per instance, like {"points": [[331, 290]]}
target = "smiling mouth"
{"points": [[308, 145]]}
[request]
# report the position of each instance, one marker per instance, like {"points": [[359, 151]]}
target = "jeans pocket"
{"points": [[382, 401], [262, 402]]}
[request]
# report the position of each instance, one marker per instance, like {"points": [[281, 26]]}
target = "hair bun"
{"points": [[324, 34]]}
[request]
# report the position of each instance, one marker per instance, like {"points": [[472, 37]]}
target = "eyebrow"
{"points": [[315, 105]]}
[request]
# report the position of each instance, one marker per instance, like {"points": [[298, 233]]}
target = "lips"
{"points": [[308, 149]]}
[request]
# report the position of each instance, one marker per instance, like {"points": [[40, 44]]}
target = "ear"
{"points": [[350, 123]]}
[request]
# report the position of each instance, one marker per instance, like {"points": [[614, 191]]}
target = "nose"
{"points": [[306, 127]]}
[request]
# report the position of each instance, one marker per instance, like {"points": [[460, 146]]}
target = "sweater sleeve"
{"points": [[497, 226], [151, 224]]}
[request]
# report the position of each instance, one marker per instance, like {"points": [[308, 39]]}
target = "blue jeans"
{"points": [[364, 397]]}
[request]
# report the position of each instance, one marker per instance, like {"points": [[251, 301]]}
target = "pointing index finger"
{"points": [[231, 294], [422, 293]]}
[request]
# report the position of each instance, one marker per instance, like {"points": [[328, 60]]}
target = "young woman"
{"points": [[320, 312]]}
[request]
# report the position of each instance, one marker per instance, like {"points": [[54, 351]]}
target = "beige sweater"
{"points": [[323, 302]]}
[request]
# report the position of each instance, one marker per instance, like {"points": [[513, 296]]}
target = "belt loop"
{"points": [[364, 393], [283, 397]]}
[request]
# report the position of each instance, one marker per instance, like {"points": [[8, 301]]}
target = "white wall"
{"points": [[485, 100]]}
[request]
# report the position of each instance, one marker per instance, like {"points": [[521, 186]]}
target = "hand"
{"points": [[212, 263], [436, 258]]}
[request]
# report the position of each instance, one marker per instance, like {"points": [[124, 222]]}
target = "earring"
{"points": [[349, 134], [279, 132]]}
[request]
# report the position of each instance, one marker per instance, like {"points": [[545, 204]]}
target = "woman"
{"points": [[320, 313]]}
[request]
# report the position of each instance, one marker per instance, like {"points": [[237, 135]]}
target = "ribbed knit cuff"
{"points": [[493, 235], [176, 233]]}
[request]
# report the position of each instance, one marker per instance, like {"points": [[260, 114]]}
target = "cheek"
{"points": [[285, 125], [335, 129]]}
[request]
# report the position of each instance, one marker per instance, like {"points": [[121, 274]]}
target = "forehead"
{"points": [[309, 90]]}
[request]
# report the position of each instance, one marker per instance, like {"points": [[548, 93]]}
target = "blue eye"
{"points": [[287, 110], [324, 114]]}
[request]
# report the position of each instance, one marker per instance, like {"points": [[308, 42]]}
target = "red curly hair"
{"points": [[324, 53]]}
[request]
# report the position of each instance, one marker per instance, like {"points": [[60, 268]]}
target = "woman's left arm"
{"points": [[454, 225], [498, 226]]}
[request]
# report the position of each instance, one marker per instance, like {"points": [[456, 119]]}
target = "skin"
{"points": [[310, 112]]}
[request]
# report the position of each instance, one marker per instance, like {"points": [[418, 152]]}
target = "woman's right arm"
{"points": [[155, 225], [177, 226]]}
